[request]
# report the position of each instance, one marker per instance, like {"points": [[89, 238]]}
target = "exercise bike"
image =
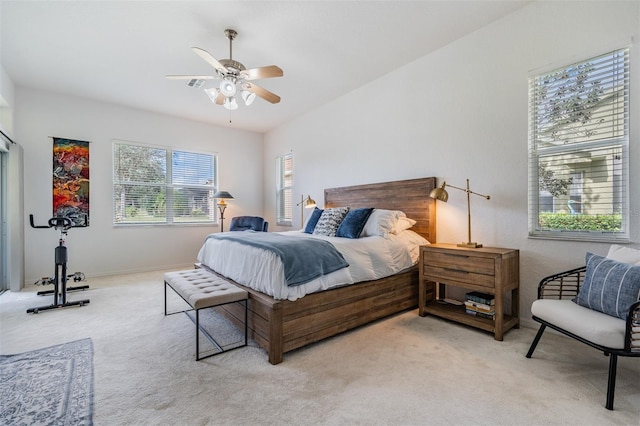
{"points": [[59, 280]]}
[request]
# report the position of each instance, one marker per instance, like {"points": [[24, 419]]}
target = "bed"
{"points": [[280, 326]]}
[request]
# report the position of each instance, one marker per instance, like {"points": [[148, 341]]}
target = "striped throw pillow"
{"points": [[609, 286]]}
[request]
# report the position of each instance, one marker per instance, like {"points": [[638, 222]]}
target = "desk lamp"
{"points": [[442, 195]]}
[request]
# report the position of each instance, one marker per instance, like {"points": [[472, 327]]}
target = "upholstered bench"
{"points": [[612, 335], [202, 289]]}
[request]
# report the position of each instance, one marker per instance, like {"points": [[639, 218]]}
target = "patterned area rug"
{"points": [[50, 386]]}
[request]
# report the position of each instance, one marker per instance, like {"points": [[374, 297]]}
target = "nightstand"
{"points": [[489, 270]]}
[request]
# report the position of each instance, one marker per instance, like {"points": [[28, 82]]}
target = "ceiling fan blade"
{"points": [[262, 72], [190, 77], [210, 59], [263, 93]]}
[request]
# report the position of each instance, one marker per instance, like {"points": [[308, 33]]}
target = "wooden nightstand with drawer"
{"points": [[490, 270]]}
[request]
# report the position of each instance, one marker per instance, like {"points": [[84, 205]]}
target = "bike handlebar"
{"points": [[56, 222]]}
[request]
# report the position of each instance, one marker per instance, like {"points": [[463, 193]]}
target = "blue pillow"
{"points": [[313, 219], [609, 286], [353, 223]]}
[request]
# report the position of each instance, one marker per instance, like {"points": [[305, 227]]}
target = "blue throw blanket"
{"points": [[304, 259]]}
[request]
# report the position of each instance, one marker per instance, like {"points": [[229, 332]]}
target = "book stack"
{"points": [[480, 304]]}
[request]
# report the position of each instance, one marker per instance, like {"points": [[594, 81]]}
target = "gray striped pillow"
{"points": [[609, 286]]}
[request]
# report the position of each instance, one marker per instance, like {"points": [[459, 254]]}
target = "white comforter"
{"points": [[369, 258]]}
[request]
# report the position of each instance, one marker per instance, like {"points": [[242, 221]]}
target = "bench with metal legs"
{"points": [[201, 289]]}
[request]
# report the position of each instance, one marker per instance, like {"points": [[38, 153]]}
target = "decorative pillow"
{"points": [[313, 220], [353, 223], [330, 220], [624, 254], [403, 224], [381, 222], [609, 286]]}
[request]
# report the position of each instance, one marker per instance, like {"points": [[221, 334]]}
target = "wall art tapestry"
{"points": [[71, 180]]}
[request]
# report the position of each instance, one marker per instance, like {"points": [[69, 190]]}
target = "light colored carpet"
{"points": [[405, 370]]}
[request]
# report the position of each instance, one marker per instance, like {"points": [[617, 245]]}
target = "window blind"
{"points": [[153, 185], [578, 150], [284, 190]]}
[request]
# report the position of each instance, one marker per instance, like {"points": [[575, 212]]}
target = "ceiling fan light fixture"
{"points": [[227, 88], [212, 93], [248, 97], [230, 103], [236, 81]]}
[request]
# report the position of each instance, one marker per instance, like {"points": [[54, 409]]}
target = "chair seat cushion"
{"points": [[594, 326]]}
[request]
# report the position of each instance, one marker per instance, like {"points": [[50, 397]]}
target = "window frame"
{"points": [[284, 212], [615, 143], [168, 185]]}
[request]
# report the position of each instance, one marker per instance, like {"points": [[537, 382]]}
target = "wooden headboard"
{"points": [[411, 196]]}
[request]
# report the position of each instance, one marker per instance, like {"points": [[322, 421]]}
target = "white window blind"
{"points": [[578, 150], [154, 185], [284, 190]]}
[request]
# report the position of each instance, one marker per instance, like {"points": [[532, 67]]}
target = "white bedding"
{"points": [[369, 258]]}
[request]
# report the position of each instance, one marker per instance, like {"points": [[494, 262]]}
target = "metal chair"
{"points": [[565, 286]]}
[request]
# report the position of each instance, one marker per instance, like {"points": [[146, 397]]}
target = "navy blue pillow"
{"points": [[313, 220], [353, 223]]}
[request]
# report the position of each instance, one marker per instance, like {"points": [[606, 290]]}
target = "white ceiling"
{"points": [[120, 51]]}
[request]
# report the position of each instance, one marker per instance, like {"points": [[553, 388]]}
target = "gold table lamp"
{"points": [[305, 203], [442, 195]]}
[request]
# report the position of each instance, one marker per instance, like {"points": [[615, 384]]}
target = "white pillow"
{"points": [[403, 224], [413, 241], [381, 222], [624, 254]]}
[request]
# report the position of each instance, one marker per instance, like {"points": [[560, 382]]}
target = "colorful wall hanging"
{"points": [[71, 180]]}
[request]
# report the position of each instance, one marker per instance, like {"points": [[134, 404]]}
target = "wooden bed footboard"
{"points": [[280, 326]]}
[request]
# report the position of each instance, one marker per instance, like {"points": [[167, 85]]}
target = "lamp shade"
{"points": [[213, 94], [227, 88], [231, 103], [248, 97], [309, 203], [222, 195], [440, 194]]}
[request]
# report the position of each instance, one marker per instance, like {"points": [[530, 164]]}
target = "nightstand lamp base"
{"points": [[470, 245]]}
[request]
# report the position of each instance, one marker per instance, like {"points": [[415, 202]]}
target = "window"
{"points": [[578, 150], [155, 185], [284, 190]]}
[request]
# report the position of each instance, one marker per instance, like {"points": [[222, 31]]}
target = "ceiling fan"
{"points": [[236, 80]]}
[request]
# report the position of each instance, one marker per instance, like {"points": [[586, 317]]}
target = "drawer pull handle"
{"points": [[455, 270]]}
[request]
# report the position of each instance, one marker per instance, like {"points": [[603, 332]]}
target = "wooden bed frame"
{"points": [[280, 326]]}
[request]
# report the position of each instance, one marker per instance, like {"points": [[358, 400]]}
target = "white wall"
{"points": [[461, 112], [102, 249], [6, 101]]}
